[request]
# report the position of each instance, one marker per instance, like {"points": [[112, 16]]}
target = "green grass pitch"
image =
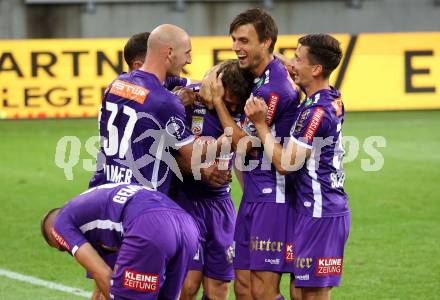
{"points": [[393, 250]]}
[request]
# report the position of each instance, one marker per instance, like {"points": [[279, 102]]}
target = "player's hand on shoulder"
{"points": [[256, 110], [186, 96]]}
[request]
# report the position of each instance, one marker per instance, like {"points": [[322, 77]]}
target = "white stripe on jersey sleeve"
{"points": [[187, 141], [281, 188], [298, 142], [101, 224], [74, 249], [316, 186], [280, 193]]}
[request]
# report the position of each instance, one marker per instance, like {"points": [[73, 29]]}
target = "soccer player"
{"points": [[211, 207], [315, 145], [265, 219], [154, 238], [142, 124], [135, 51]]}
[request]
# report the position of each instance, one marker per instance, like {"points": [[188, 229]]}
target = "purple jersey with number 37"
{"points": [[141, 123]]}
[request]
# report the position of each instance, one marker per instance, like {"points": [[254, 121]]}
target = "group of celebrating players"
{"points": [[158, 220]]}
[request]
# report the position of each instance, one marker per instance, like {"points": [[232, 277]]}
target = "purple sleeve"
{"points": [[67, 234], [311, 123], [173, 116], [173, 81]]}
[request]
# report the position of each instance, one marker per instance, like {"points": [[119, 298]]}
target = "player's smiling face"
{"points": [[250, 51], [181, 56], [302, 68]]}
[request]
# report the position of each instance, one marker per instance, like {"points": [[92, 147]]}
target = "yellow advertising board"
{"points": [[66, 78], [393, 72]]}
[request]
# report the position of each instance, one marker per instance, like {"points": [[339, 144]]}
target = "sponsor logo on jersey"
{"points": [[303, 262], [302, 277], [230, 253], [141, 282], [60, 240], [290, 256], [197, 255], [314, 124], [308, 102], [265, 245], [272, 261], [329, 266], [274, 98], [129, 91]]}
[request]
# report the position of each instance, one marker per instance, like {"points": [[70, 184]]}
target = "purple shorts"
{"points": [[153, 260], [264, 237], [216, 221], [319, 250]]}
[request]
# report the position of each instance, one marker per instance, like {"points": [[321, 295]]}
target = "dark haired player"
{"points": [[315, 147], [211, 207], [263, 248]]}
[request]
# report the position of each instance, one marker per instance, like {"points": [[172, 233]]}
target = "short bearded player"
{"points": [[315, 152]]}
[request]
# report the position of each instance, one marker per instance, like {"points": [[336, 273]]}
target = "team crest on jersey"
{"points": [[300, 123], [197, 125]]}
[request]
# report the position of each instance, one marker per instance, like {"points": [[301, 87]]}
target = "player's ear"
{"points": [[267, 43], [136, 64], [317, 70]]}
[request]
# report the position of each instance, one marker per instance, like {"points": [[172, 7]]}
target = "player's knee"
{"points": [[258, 291], [219, 290], [316, 293], [189, 289], [241, 288]]}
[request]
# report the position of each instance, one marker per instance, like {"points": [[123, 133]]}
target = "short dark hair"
{"points": [[324, 50], [136, 47], [43, 222], [236, 80], [263, 23]]}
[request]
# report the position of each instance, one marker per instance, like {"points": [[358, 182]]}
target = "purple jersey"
{"points": [[140, 124], [99, 215], [264, 183], [172, 82], [319, 183]]}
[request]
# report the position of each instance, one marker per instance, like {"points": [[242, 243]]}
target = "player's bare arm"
{"points": [[211, 175], [95, 265], [282, 158]]}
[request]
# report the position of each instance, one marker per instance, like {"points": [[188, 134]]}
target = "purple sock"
{"points": [[204, 297], [280, 297]]}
